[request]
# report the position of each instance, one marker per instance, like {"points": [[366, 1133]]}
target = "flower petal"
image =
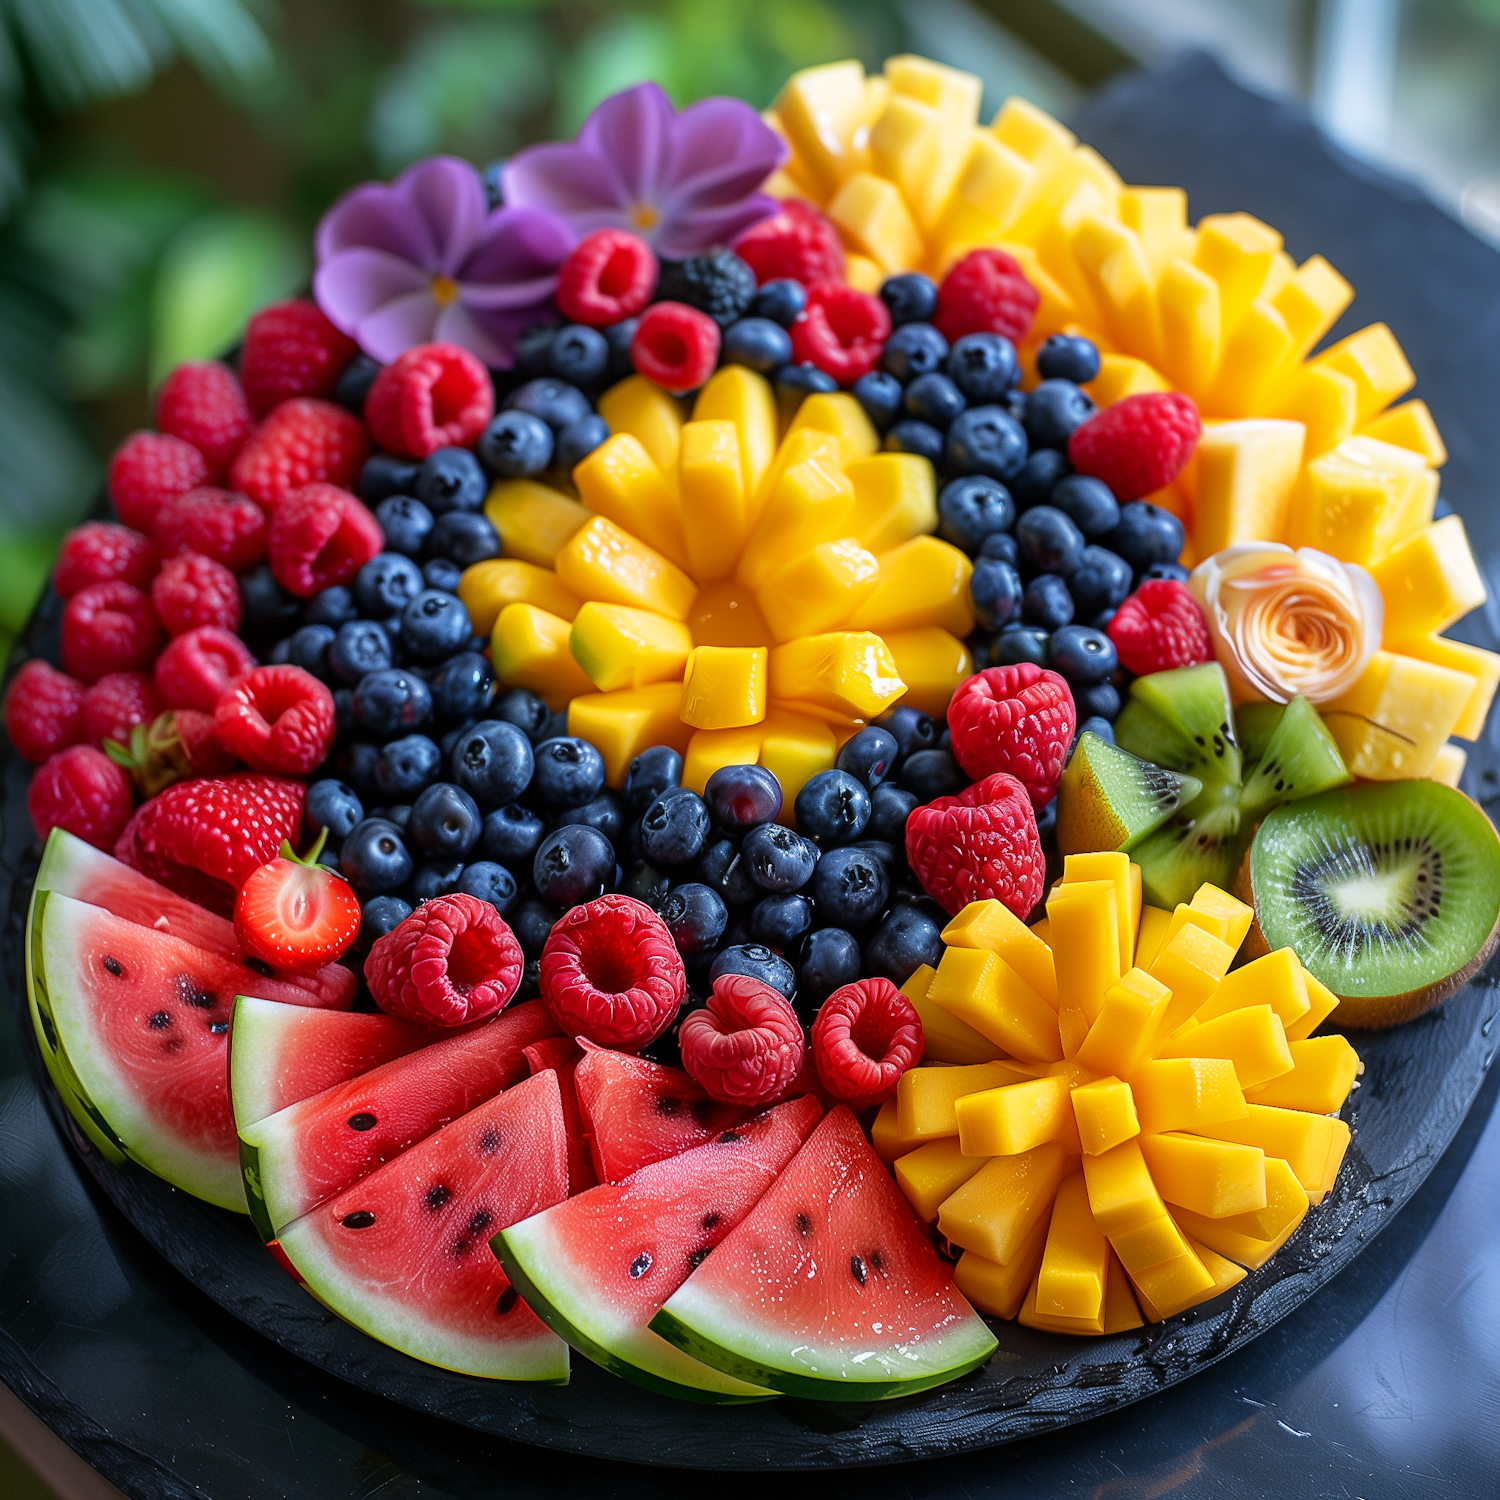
{"points": [[690, 232], [447, 196], [376, 216], [568, 180], [392, 329], [519, 245], [502, 328], [351, 285], [456, 324], [721, 134], [633, 131]]}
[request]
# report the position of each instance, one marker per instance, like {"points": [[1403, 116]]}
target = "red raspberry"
{"points": [[866, 1036], [176, 746], [979, 845], [1016, 719], [453, 960], [201, 402], [321, 535], [116, 704], [986, 292], [291, 350], [198, 665], [609, 276], [300, 443], [149, 468], [276, 719], [745, 1046], [1160, 626], [109, 627], [432, 396], [193, 590], [797, 242], [842, 331], [1138, 444], [227, 527], [99, 551], [675, 345], [202, 838], [83, 790], [611, 972], [42, 711]]}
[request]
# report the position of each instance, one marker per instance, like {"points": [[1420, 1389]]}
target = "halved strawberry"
{"points": [[296, 914]]}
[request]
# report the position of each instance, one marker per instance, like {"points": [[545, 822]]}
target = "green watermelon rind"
{"points": [[538, 1267], [250, 1019], [265, 1207]]}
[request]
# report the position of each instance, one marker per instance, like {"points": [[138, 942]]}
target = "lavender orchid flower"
{"points": [[424, 258], [684, 182]]}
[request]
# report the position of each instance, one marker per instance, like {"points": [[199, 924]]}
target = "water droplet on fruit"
{"points": [[361, 1122], [360, 1219], [640, 1265]]}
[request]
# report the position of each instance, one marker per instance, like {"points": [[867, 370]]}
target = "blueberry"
{"points": [[757, 343], [462, 688], [309, 649], [515, 445], [911, 436], [1065, 356], [739, 797], [1001, 546], [511, 835], [972, 508], [1088, 501], [1146, 534], [983, 367], [830, 959], [434, 625], [1099, 700], [525, 710], [386, 584], [354, 383], [331, 606], [493, 763], [618, 337], [1043, 471], [674, 828], [489, 882], [995, 588], [725, 869], [578, 355], [914, 349], [333, 805], [890, 807], [280, 654], [1021, 643], [1100, 581], [1171, 572], [833, 808], [911, 728], [556, 727], [532, 921], [385, 474], [463, 538], [1047, 602], [696, 918], [380, 915], [356, 765], [451, 479], [407, 765], [1049, 541], [869, 756], [405, 522], [1102, 727], [794, 383], [986, 440], [391, 701], [374, 859], [644, 882], [911, 297], [1082, 656], [651, 773], [779, 859], [780, 301], [781, 921], [578, 439], [932, 773], [573, 865], [756, 960], [532, 347], [880, 395], [358, 648], [1054, 411], [603, 813], [437, 878], [851, 886], [438, 573], [445, 822], [450, 737], [555, 402], [907, 939], [933, 399], [884, 850], [569, 772], [268, 608], [1046, 827], [398, 813]]}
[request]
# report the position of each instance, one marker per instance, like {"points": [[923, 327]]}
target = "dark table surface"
{"points": [[1385, 1385]]}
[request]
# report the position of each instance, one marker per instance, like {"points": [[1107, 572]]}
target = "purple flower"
{"points": [[424, 258], [684, 182]]}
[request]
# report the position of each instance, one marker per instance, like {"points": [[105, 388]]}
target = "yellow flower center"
{"points": [[444, 290], [644, 216]]}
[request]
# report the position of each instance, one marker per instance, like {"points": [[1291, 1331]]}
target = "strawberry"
{"points": [[296, 914]]}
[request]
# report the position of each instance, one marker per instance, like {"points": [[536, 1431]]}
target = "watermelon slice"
{"points": [[73, 868], [134, 1026], [598, 1267], [561, 1054], [636, 1112], [306, 1153], [828, 1288], [404, 1253]]}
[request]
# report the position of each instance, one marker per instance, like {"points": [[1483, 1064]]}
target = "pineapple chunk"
{"points": [[1246, 474], [1391, 724]]}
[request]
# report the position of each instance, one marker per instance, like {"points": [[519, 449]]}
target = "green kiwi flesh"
{"points": [[1182, 719], [1202, 842], [1111, 799], [1300, 759], [1254, 724]]}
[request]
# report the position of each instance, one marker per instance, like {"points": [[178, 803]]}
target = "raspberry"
{"points": [[842, 331], [1160, 626], [610, 972], [202, 838], [291, 350], [99, 551], [193, 590], [109, 627], [116, 704], [866, 1036], [227, 527], [42, 711], [797, 242], [175, 746], [198, 665], [83, 790], [432, 396], [675, 345], [149, 468], [1138, 444], [718, 283], [986, 292], [1017, 719], [745, 1046], [300, 443], [977, 846], [609, 276], [321, 535], [201, 402], [276, 719]]}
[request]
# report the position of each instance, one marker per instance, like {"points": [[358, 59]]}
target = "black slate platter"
{"points": [[1440, 290]]}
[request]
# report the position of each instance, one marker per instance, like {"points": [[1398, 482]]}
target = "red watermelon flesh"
{"points": [[636, 1111], [561, 1054], [306, 1153], [404, 1254]]}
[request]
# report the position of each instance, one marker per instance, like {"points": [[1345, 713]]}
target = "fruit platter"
{"points": [[796, 775]]}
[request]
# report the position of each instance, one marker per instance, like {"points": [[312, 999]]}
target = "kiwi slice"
{"points": [[1111, 799], [1300, 759], [1254, 724], [1388, 891], [1202, 842], [1181, 719]]}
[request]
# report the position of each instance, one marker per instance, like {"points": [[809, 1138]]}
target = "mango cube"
{"points": [[1246, 474], [873, 217], [644, 410], [1236, 915], [738, 395], [997, 1208], [820, 110], [933, 1173], [1127, 1025], [1001, 1290], [922, 582], [530, 650], [1104, 1112], [1373, 360], [1428, 581], [1409, 425], [1236, 250], [819, 591], [1190, 963], [1216, 1178], [986, 993], [1323, 1071], [1229, 1239], [1070, 1282], [1187, 1093], [710, 750], [1390, 725], [1252, 1038], [809, 502], [895, 499], [946, 1038], [620, 647], [848, 672], [993, 926], [883, 1136], [1188, 300], [931, 662], [534, 520], [1275, 979], [1321, 1003], [1448, 764], [1175, 1285], [603, 562], [1119, 1313], [838, 413], [724, 687], [1153, 933], [1116, 868], [1149, 1243], [1121, 1192], [794, 748], [1474, 661], [487, 587], [622, 724], [1303, 1141], [619, 480], [1085, 927], [711, 478], [1360, 499], [925, 1097], [1015, 1118]]}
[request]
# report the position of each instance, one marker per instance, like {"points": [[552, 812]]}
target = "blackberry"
{"points": [[719, 283]]}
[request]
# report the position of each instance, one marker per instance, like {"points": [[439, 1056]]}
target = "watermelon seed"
{"points": [[489, 1142], [218, 1027], [666, 1105], [260, 966], [460, 1248], [360, 1219], [113, 966], [481, 1221], [437, 1196], [710, 1219], [875, 1262], [640, 1265], [804, 1224], [198, 999], [361, 1122], [160, 1021], [857, 1265], [508, 1299], [698, 1256], [730, 1137]]}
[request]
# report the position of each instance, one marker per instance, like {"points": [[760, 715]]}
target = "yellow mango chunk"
{"points": [[1001, 1290], [1153, 933], [1159, 217], [641, 408], [1321, 1003], [946, 1038], [1257, 350], [487, 587], [620, 647], [820, 111], [1119, 1314], [992, 186], [1122, 1195], [873, 218], [1115, 868], [1187, 915], [923, 582], [1070, 1282], [1338, 1144], [1428, 581], [863, 274], [1247, 471], [1373, 360], [811, 502], [1148, 1243], [1410, 425], [838, 413], [895, 499], [726, 614], [711, 478], [1324, 401], [1104, 1111], [1390, 725], [1191, 962], [925, 1097], [1122, 375], [1236, 915], [1310, 303], [1448, 764], [1252, 1038], [724, 687], [1360, 499], [819, 590], [952, 97], [1007, 1121], [603, 562], [1474, 661], [530, 650], [1275, 979], [710, 750], [1085, 925], [1188, 300], [994, 927], [736, 394], [1302, 1140], [1187, 1093], [1237, 251], [933, 1173], [850, 672], [794, 748], [1165, 1290], [534, 520], [883, 1135], [1114, 265], [620, 481], [1217, 1178], [1252, 1238], [1323, 1071], [931, 662], [995, 1211], [986, 993], [1127, 1025], [622, 724], [1032, 133]]}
